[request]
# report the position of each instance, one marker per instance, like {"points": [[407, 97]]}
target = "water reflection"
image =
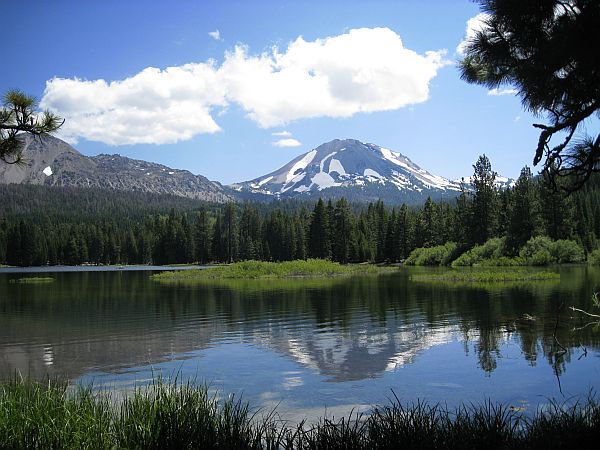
{"points": [[342, 329]]}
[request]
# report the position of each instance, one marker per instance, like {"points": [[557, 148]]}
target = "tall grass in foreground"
{"points": [[181, 416]]}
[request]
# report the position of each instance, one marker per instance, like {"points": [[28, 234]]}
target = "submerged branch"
{"points": [[584, 312]]}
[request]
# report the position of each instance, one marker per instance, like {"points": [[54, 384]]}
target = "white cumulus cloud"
{"points": [[497, 92], [289, 142], [363, 70], [474, 24], [216, 35], [153, 107]]}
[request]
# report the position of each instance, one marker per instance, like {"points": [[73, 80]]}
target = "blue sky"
{"points": [[155, 81]]}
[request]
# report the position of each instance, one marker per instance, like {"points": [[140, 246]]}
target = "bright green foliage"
{"points": [[262, 269], [541, 250], [441, 255], [487, 276], [594, 257], [566, 251], [492, 249], [49, 415], [168, 415], [537, 251]]}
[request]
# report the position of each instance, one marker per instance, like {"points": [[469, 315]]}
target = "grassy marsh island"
{"points": [[257, 270], [488, 275], [170, 415], [33, 280]]}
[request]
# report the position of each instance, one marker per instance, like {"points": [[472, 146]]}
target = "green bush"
{"points": [[541, 250], [594, 257], [441, 255], [536, 251], [492, 249], [566, 251]]}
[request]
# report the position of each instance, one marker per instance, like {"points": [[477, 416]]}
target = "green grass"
{"points": [[180, 416], [311, 268], [33, 280], [496, 275]]}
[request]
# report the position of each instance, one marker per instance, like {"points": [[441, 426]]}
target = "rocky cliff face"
{"points": [[50, 161]]}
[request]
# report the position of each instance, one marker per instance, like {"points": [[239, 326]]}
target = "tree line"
{"points": [[99, 227]]}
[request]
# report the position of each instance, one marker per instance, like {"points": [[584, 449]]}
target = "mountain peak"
{"points": [[350, 168]]}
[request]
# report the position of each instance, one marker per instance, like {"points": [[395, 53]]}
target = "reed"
{"points": [[489, 275], [171, 415], [311, 268]]}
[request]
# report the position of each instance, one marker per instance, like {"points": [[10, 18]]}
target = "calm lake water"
{"points": [[310, 347]]}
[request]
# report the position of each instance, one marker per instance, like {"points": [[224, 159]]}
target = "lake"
{"points": [[310, 347]]}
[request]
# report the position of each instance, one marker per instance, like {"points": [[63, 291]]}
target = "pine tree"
{"points": [[426, 229], [524, 216], [230, 228], [558, 208], [202, 236], [404, 230], [218, 247], [319, 240], [343, 230], [484, 210]]}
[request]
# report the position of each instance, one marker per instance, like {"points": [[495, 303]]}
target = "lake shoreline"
{"points": [[99, 268]]}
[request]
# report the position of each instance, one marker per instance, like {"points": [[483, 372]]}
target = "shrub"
{"points": [[433, 256], [541, 250], [594, 257], [492, 249], [536, 251], [566, 251]]}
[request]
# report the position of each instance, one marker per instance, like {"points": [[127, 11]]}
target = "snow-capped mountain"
{"points": [[350, 168]]}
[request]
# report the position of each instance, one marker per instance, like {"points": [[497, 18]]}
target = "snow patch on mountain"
{"points": [[336, 166], [323, 180], [371, 173], [324, 160], [300, 165]]}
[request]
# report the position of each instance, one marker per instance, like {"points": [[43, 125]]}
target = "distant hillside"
{"points": [[52, 162], [75, 204]]}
